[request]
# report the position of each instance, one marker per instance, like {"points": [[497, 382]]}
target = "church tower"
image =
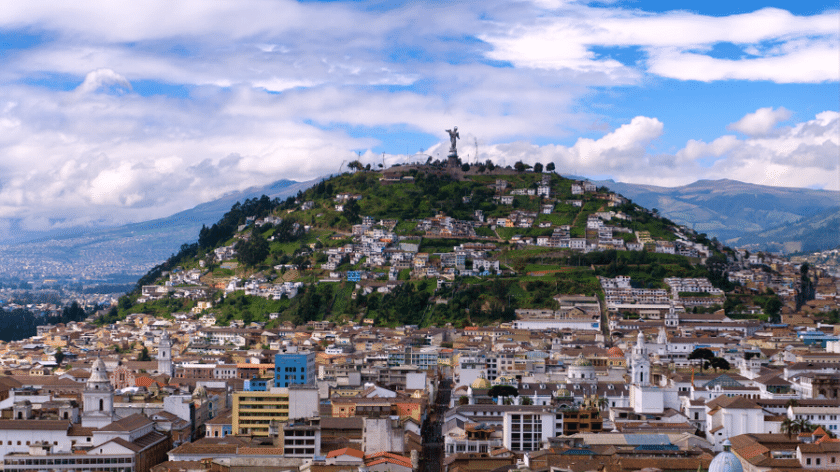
{"points": [[639, 363], [98, 398], [165, 355], [672, 319]]}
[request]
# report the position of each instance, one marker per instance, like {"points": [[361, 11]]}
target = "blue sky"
{"points": [[112, 113]]}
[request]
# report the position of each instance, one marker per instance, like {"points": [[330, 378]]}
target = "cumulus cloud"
{"points": [[803, 155], [676, 44], [281, 89], [104, 78], [761, 122]]}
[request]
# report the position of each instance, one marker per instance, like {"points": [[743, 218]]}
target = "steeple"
{"points": [[640, 364], [165, 355], [672, 319], [98, 397]]}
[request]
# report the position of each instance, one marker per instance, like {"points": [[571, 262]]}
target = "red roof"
{"points": [[348, 451], [143, 381]]}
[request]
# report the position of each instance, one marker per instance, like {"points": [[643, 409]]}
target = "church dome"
{"points": [[726, 461], [481, 383], [615, 352]]}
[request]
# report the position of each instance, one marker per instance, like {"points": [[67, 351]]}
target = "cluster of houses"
{"points": [[553, 387]]}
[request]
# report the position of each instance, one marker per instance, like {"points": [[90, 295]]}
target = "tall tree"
{"points": [[252, 251]]}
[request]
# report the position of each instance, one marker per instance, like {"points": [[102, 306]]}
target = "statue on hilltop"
{"points": [[453, 135]]}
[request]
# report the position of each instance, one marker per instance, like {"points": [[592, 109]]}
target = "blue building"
{"points": [[256, 385], [354, 275], [294, 368]]}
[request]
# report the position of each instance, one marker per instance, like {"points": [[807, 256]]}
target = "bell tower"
{"points": [[98, 398], [165, 355]]}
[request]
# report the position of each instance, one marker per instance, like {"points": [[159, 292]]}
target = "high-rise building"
{"points": [[294, 368]]}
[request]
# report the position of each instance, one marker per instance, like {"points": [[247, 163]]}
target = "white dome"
{"points": [[726, 461]]}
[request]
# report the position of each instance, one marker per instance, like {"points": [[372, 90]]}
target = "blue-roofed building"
{"points": [[812, 336], [294, 368], [354, 275]]}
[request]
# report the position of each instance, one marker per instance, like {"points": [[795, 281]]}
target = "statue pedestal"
{"points": [[452, 159]]}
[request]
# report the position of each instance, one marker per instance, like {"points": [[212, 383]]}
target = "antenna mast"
{"points": [[476, 150]]}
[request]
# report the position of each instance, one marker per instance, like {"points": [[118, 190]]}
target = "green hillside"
{"points": [[421, 214]]}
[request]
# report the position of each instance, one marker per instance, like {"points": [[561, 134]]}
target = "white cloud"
{"points": [[761, 122], [100, 78], [118, 157], [676, 44]]}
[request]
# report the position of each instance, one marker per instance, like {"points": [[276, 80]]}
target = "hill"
{"points": [[424, 245], [743, 214]]}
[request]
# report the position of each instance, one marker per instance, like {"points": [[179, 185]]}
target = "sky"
{"points": [[116, 112]]}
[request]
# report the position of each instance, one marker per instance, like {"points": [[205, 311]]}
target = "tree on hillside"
{"points": [[772, 307], [352, 210], [538, 167], [550, 167], [355, 165], [252, 251]]}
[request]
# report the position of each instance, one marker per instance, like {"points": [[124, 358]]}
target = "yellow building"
{"points": [[253, 411]]}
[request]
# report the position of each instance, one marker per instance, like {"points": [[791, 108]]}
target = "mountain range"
{"points": [[737, 213], [757, 217], [124, 252]]}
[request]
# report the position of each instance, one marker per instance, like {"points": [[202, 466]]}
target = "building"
{"points": [[294, 368], [98, 398], [253, 412], [165, 355]]}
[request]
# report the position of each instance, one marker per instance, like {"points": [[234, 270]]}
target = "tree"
{"points": [[465, 167], [252, 251], [702, 353], [790, 427], [355, 165], [520, 166], [526, 401], [59, 356], [502, 391], [772, 307], [718, 363], [550, 167], [538, 167], [352, 210], [144, 355], [705, 355], [490, 166]]}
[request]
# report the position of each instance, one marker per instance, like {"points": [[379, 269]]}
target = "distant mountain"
{"points": [[129, 249], [743, 214]]}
